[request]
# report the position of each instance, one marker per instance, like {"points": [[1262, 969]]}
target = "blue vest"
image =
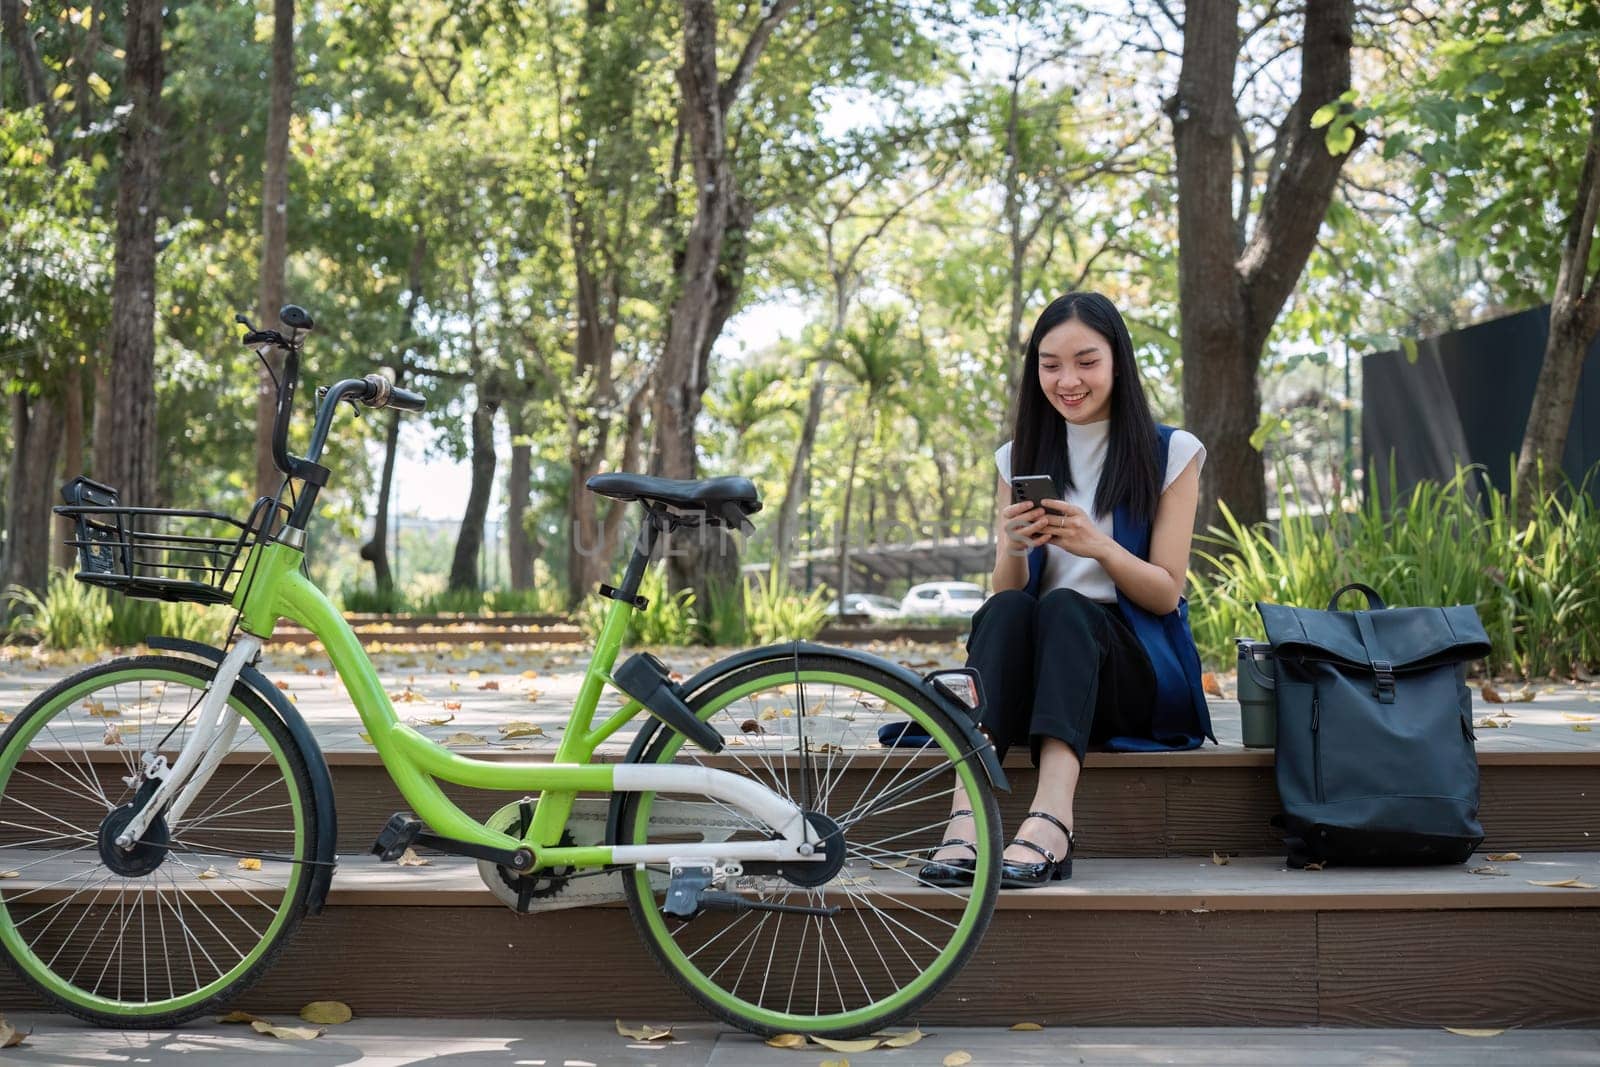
{"points": [[1181, 718]]}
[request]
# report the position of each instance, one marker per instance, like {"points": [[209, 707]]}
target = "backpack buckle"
{"points": [[1383, 684]]}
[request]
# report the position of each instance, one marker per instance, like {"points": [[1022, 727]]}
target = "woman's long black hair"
{"points": [[1039, 438]]}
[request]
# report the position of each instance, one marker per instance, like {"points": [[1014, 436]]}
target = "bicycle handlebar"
{"points": [[374, 391]]}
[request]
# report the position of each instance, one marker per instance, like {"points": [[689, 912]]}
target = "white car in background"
{"points": [[870, 604], [961, 599]]}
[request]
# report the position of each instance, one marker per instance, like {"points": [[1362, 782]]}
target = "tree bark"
{"points": [[469, 543], [71, 458], [705, 291], [35, 86], [132, 399], [376, 550], [1229, 305], [518, 551], [36, 427], [786, 534], [100, 430], [1574, 324], [844, 523], [274, 232]]}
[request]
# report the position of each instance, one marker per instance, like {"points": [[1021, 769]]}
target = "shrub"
{"points": [[669, 620], [774, 613], [71, 614], [1456, 542]]}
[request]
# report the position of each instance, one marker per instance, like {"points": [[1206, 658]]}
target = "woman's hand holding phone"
{"points": [[1024, 526]]}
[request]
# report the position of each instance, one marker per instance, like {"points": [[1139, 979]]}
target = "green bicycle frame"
{"points": [[273, 586]]}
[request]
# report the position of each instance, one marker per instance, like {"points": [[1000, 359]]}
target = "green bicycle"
{"points": [[167, 820]]}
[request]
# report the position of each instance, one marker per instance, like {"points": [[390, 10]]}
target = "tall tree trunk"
{"points": [[786, 532], [274, 231], [1574, 324], [35, 85], [704, 290], [518, 550], [71, 456], [36, 427], [132, 397], [1229, 305], [469, 543], [100, 430], [844, 523], [376, 550]]}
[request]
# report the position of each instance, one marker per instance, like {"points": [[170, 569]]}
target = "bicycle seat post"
{"points": [[643, 548]]}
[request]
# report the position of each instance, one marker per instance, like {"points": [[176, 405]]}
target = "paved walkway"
{"points": [[470, 691], [393, 1042]]}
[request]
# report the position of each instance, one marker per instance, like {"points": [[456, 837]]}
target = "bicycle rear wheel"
{"points": [[193, 913], [895, 940]]}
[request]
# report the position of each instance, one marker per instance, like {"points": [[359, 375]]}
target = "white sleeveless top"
{"points": [[1086, 452]]}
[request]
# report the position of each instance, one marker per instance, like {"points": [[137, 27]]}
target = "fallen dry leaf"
{"points": [[99, 711], [1219, 860], [1576, 718], [891, 865], [465, 739], [1503, 857], [1526, 696], [286, 1033], [1469, 1032], [1487, 724], [113, 735], [490, 684], [238, 1017], [409, 858], [10, 1036], [1491, 694], [1580, 728], [301, 668], [535, 674], [281, 684], [644, 1033], [326, 1011], [787, 1041], [452, 705], [1312, 867], [905, 1040], [957, 1058], [209, 872], [1209, 682], [834, 1063], [825, 748], [521, 729], [768, 715], [1026, 1026], [863, 1044], [750, 726], [1565, 883], [535, 694], [1488, 871], [365, 737], [249, 863], [437, 720], [10, 874]]}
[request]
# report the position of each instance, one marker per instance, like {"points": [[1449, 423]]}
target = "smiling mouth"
{"points": [[1075, 398]]}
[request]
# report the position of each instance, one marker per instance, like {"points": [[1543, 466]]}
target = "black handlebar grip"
{"points": [[406, 400]]}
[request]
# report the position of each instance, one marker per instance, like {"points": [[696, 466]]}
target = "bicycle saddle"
{"points": [[725, 501]]}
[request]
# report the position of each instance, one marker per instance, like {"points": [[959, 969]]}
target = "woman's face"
{"points": [[1075, 372]]}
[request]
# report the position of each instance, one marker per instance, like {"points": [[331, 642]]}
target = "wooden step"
{"points": [[1125, 942]]}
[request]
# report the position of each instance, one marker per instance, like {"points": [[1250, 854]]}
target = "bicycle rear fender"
{"points": [[316, 764], [959, 713]]}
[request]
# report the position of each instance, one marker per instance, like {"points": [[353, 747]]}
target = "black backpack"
{"points": [[1375, 757]]}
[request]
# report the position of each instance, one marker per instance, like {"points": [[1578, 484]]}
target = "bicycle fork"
{"points": [[213, 735]]}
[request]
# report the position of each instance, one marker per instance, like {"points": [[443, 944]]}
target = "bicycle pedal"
{"points": [[399, 834]]}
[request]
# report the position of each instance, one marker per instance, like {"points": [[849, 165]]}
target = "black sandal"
{"points": [[1015, 875], [954, 873]]}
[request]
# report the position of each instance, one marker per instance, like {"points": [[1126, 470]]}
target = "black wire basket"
{"points": [[171, 554]]}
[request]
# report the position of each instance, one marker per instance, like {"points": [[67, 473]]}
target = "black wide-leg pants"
{"points": [[1060, 666]]}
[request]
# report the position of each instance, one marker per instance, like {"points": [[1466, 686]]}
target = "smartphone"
{"points": [[1034, 488]]}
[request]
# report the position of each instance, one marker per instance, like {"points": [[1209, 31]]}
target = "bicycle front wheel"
{"points": [[193, 912], [807, 729]]}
